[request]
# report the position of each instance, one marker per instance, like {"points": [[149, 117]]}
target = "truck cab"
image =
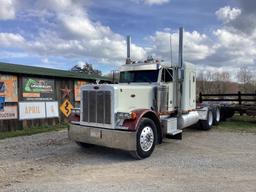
{"points": [[152, 101], [113, 115], [164, 76]]}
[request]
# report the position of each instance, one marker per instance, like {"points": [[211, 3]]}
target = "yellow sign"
{"points": [[66, 108]]}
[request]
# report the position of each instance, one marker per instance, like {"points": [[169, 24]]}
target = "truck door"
{"points": [[167, 77]]}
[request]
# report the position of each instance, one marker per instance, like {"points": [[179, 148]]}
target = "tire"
{"points": [[84, 145], [146, 139], [216, 116], [222, 114], [230, 113], [226, 113], [207, 124]]}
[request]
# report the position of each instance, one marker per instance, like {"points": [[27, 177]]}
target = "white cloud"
{"points": [[227, 14], [11, 39], [196, 46], [7, 9], [234, 48], [74, 35], [11, 54], [151, 2], [156, 2], [226, 50]]}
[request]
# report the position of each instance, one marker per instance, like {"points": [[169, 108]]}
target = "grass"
{"points": [[32, 131], [239, 124]]}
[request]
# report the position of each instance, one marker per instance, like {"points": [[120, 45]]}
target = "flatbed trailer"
{"points": [[242, 103]]}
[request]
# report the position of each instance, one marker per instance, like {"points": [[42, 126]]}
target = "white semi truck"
{"points": [[153, 100]]}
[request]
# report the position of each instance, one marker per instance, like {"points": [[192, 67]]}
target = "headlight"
{"points": [[75, 111], [121, 115]]}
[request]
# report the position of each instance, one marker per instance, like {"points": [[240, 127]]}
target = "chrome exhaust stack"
{"points": [[181, 47], [180, 74], [128, 59]]}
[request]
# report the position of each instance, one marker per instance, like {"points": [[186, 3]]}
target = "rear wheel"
{"points": [[146, 139], [207, 124], [226, 113], [216, 116], [230, 113]]}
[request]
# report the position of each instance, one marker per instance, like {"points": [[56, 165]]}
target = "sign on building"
{"points": [[9, 112], [66, 108], [37, 89], [52, 109], [77, 86], [38, 110], [8, 88], [32, 110], [2, 103]]}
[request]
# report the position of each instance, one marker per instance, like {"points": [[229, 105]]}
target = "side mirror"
{"points": [[115, 76], [181, 74]]}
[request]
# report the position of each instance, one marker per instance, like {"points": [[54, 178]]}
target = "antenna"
{"points": [[171, 47]]}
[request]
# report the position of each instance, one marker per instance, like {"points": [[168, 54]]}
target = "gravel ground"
{"points": [[202, 161]]}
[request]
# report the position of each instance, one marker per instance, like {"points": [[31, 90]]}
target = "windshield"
{"points": [[147, 76]]}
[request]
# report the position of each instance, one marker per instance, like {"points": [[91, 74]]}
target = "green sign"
{"points": [[38, 89], [38, 86]]}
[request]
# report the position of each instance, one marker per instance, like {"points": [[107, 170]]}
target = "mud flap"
{"points": [[177, 136]]}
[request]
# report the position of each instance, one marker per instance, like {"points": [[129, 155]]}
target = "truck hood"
{"points": [[129, 97]]}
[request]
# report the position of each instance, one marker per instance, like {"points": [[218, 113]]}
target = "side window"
{"points": [[167, 75]]}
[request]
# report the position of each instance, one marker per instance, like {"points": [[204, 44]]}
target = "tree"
{"points": [[114, 76], [214, 82], [221, 82], [86, 68], [245, 78]]}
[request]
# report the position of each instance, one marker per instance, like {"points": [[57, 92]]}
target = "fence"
{"points": [[233, 97]]}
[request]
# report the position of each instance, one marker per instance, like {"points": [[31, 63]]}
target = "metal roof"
{"points": [[30, 70]]}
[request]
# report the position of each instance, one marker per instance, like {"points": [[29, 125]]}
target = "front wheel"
{"points": [[146, 139]]}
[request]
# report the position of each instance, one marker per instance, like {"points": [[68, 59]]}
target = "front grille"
{"points": [[96, 107]]}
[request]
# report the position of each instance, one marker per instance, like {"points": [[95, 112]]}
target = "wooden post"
{"points": [[239, 98], [255, 95], [200, 98]]}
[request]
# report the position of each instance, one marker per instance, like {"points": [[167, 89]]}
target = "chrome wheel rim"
{"points": [[210, 118], [217, 114], [146, 138]]}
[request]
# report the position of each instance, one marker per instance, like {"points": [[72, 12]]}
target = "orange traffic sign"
{"points": [[66, 108]]}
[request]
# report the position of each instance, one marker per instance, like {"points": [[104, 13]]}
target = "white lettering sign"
{"points": [[9, 112], [32, 110], [52, 109]]}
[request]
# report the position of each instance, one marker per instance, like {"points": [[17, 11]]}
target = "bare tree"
{"points": [[213, 82], [220, 82], [86, 68], [113, 75], [245, 78]]}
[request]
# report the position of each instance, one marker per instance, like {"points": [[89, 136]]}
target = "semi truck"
{"points": [[152, 101]]}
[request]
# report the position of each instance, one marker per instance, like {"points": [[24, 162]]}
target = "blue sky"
{"points": [[63, 33]]}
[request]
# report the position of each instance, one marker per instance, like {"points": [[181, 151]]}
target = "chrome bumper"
{"points": [[124, 140]]}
